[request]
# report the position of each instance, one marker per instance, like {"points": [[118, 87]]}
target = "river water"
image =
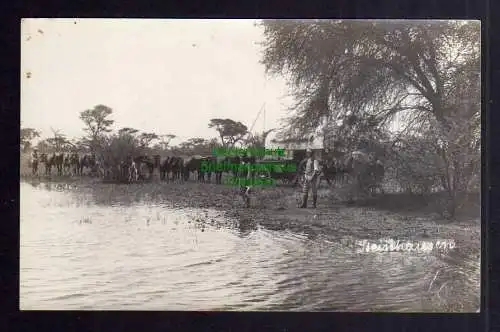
{"points": [[81, 251]]}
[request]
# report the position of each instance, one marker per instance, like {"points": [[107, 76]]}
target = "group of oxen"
{"points": [[173, 168], [130, 169], [367, 171], [176, 168], [360, 167], [64, 163]]}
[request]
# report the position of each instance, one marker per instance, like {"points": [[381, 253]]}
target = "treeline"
{"points": [[357, 77], [115, 146]]}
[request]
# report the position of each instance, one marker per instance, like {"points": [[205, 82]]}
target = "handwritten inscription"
{"points": [[391, 245]]}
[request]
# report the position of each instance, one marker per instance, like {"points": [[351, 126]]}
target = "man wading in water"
{"points": [[311, 177]]}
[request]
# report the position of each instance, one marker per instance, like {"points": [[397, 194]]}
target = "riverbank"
{"points": [[276, 208]]}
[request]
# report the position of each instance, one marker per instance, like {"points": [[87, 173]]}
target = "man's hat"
{"points": [[308, 150], [35, 149]]}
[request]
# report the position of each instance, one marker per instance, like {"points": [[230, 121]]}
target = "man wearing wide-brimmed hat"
{"points": [[311, 177]]}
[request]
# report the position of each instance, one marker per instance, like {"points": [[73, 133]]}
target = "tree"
{"points": [[127, 134], [116, 149], [258, 140], [125, 131], [365, 66], [59, 142], [27, 136], [79, 145], [165, 141], [197, 141], [96, 124], [356, 133], [44, 146], [341, 69], [230, 131], [197, 146], [145, 139], [213, 143], [413, 163]]}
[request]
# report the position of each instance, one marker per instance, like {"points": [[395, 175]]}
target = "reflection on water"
{"points": [[95, 249]]}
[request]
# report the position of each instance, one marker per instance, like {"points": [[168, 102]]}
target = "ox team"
{"points": [[74, 164]]}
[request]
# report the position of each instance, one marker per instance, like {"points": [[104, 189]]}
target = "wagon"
{"points": [[295, 153], [286, 170], [282, 170], [292, 175]]}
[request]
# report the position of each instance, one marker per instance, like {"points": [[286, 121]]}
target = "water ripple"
{"points": [[104, 250]]}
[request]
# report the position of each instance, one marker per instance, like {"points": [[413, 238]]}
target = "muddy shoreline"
{"points": [[275, 208]]}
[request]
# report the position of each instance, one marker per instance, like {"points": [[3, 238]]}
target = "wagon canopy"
{"points": [[299, 145], [197, 156]]}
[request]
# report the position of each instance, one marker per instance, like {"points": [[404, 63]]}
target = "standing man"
{"points": [[311, 177], [34, 161]]}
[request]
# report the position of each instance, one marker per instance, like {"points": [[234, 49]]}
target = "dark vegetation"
{"points": [[355, 77]]}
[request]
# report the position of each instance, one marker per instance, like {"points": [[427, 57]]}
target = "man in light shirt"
{"points": [[311, 179]]}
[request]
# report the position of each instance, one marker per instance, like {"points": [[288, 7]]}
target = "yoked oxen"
{"points": [[157, 163], [128, 171], [165, 168], [56, 159], [67, 164], [104, 168], [87, 161], [221, 165], [217, 165], [195, 164], [74, 162], [58, 162], [47, 162], [284, 170], [34, 162], [144, 162], [231, 165], [174, 165], [177, 166], [335, 168]]}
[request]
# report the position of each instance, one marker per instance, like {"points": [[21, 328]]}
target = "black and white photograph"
{"points": [[250, 165]]}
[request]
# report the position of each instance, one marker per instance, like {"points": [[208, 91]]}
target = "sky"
{"points": [[162, 76]]}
